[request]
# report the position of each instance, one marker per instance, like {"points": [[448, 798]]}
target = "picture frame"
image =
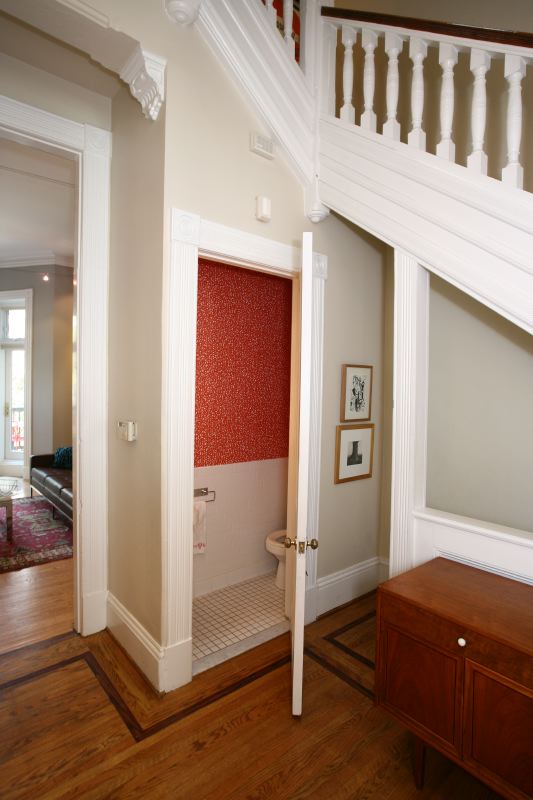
{"points": [[356, 392], [354, 452]]}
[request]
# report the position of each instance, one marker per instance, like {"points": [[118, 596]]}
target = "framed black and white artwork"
{"points": [[354, 452], [356, 392]]}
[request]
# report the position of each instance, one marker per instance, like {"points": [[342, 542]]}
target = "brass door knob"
{"points": [[289, 542], [313, 544]]}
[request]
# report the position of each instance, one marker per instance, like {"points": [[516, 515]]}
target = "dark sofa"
{"points": [[53, 483]]}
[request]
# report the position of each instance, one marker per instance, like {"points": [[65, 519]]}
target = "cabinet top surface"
{"points": [[488, 603]]}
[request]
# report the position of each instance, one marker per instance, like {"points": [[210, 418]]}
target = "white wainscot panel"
{"points": [[496, 548], [251, 501]]}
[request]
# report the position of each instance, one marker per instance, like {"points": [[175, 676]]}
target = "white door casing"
{"points": [[91, 147], [191, 238]]}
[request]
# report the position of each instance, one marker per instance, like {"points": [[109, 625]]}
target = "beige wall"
{"points": [[43, 90], [135, 360], [350, 512], [51, 353], [196, 157], [480, 434], [62, 328]]}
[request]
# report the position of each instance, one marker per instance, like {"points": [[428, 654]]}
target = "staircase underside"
{"points": [[471, 230]]}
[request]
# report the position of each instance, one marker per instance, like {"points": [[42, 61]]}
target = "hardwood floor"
{"points": [[36, 603], [78, 721]]}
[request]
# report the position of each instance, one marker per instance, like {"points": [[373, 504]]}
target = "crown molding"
{"points": [[144, 72], [184, 12], [35, 258]]}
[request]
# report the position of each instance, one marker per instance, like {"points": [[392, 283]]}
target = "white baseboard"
{"points": [[348, 584], [94, 612], [166, 668]]}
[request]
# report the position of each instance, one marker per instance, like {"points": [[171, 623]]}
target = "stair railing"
{"points": [[365, 91]]}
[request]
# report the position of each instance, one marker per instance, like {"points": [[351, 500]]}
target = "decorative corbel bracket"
{"points": [[184, 12], [144, 72]]}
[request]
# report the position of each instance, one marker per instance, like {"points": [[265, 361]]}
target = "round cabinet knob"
{"points": [[461, 642]]}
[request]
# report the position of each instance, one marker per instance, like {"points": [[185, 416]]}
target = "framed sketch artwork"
{"points": [[356, 393], [354, 452]]}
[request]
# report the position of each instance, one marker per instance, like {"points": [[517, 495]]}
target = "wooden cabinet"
{"points": [[455, 666]]}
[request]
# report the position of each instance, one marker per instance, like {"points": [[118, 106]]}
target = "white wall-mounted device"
{"points": [[127, 430], [263, 209], [261, 145]]}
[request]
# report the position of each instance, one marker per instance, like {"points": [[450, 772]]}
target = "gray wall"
{"points": [[480, 432]]}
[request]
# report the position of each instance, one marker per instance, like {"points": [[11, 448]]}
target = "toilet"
{"points": [[274, 543]]}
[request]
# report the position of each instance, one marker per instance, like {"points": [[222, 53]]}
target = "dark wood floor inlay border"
{"points": [[332, 639], [41, 645], [339, 673], [136, 730]]}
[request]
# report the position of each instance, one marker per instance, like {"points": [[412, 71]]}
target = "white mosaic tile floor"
{"points": [[234, 619]]}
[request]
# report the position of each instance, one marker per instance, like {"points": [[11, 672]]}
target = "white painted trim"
{"points": [[410, 398], [191, 238], [341, 587], [92, 146], [156, 662], [144, 73], [471, 230], [36, 258], [506, 551], [255, 54]]}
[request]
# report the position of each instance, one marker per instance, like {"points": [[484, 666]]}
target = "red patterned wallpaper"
{"points": [[242, 365]]}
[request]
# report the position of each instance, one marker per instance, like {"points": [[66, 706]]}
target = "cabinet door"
{"points": [[499, 730], [422, 686]]}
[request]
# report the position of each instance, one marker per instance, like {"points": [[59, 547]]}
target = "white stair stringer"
{"points": [[256, 55], [473, 231]]}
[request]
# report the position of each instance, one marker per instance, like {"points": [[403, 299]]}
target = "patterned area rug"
{"points": [[37, 536]]}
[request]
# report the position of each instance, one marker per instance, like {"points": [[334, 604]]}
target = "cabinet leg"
{"points": [[419, 763]]}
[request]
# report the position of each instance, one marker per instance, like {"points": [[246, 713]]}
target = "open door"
{"points": [[296, 541]]}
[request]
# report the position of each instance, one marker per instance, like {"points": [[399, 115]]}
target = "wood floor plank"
{"points": [[229, 735], [53, 726], [36, 603]]}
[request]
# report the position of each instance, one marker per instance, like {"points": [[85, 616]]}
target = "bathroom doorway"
{"points": [[244, 346]]}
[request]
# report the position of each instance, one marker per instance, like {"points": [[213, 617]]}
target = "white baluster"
{"points": [[447, 59], [287, 25], [515, 69], [328, 71], [368, 117], [417, 54], [349, 36], [271, 13], [393, 46], [479, 66]]}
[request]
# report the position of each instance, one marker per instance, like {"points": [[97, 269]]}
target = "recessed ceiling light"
{"points": [[46, 277]]}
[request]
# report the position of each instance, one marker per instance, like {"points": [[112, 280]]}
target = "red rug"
{"points": [[37, 536]]}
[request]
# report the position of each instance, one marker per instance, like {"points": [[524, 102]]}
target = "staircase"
{"points": [[410, 129]]}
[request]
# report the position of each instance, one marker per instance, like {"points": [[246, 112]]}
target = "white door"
{"points": [[297, 526]]}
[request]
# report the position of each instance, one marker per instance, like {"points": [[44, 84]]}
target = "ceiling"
{"points": [[38, 202]]}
